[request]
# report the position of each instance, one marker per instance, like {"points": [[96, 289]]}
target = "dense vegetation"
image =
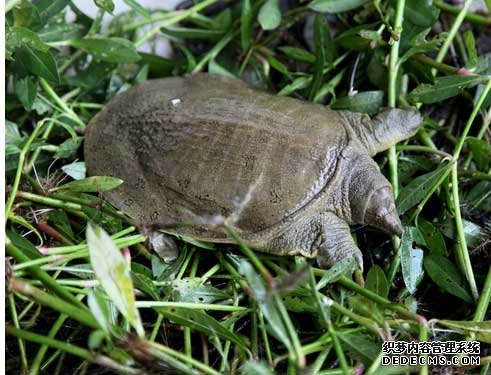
{"points": [[76, 304]]}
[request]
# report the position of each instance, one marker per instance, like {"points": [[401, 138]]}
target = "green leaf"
{"points": [[266, 303], [113, 272], [412, 194], [353, 39], [298, 54], [411, 258], [433, 238], [17, 37], [26, 90], [68, 149], [115, 50], [106, 5], [102, 309], [479, 197], [320, 54], [419, 44], [202, 322], [253, 367], [470, 45], [472, 232], [246, 18], [269, 16], [191, 290], [446, 275], [192, 33], [297, 84], [364, 102], [359, 346], [49, 8], [75, 170], [93, 184], [482, 330], [60, 32], [133, 4], [345, 267], [335, 6], [376, 281], [444, 88], [23, 222], [421, 12], [38, 63], [481, 153]]}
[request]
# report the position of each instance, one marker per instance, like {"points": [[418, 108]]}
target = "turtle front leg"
{"points": [[337, 243]]}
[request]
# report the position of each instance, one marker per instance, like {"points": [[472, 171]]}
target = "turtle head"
{"points": [[381, 213]]}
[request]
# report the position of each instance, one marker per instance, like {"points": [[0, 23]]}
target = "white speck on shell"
{"points": [[175, 101]]}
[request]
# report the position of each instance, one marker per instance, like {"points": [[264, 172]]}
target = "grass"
{"points": [[85, 294]]}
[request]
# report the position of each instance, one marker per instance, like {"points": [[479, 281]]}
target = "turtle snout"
{"points": [[381, 212]]}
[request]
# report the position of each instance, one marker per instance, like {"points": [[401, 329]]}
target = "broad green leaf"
{"points": [[421, 12], [297, 84], [68, 149], [49, 8], [411, 258], [145, 284], [320, 42], [433, 238], [102, 309], [269, 16], [253, 367], [419, 44], [26, 90], [115, 50], [482, 330], [18, 37], [24, 244], [38, 63], [106, 5], [335, 6], [481, 153], [298, 54], [215, 68], [75, 170], [202, 322], [345, 267], [60, 32], [364, 102], [472, 232], [93, 184], [353, 39], [158, 65], [376, 281], [113, 272], [444, 88], [479, 197], [446, 275], [246, 20], [191, 290], [412, 194], [359, 346]]}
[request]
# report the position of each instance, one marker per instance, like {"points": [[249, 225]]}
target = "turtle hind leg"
{"points": [[337, 243]]}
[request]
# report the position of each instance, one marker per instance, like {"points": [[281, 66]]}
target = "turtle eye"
{"points": [[381, 212]]}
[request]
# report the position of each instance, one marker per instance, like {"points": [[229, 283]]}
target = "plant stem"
{"points": [[72, 349], [469, 17], [174, 19], [461, 246], [452, 32], [483, 303], [49, 90], [189, 305], [15, 319], [444, 68], [55, 303]]}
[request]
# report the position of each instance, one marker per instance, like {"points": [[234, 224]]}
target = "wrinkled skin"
{"points": [[294, 175]]}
